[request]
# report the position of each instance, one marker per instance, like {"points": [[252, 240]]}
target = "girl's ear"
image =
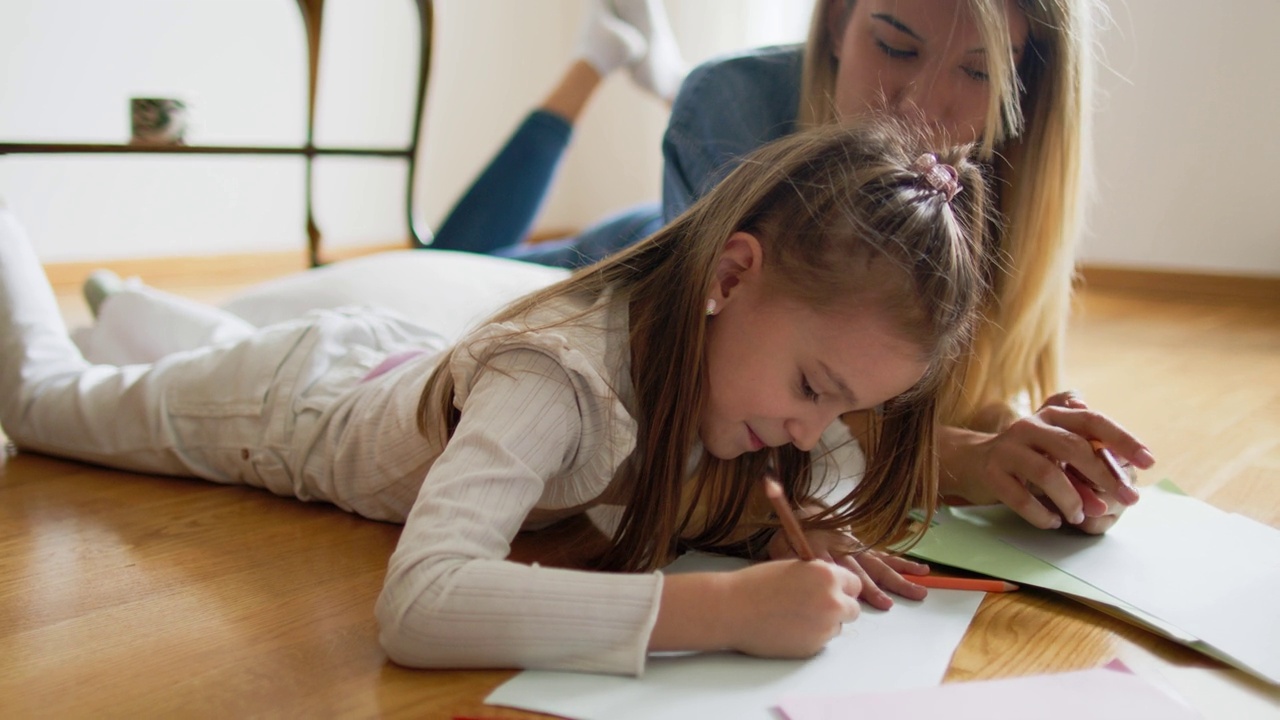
{"points": [[739, 266]]}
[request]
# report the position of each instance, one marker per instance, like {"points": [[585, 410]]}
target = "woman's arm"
{"points": [[1043, 467]]}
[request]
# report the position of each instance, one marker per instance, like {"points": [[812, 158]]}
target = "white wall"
{"points": [[1188, 138], [1184, 131], [68, 67]]}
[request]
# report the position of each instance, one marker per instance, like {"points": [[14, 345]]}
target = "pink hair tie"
{"points": [[939, 176]]}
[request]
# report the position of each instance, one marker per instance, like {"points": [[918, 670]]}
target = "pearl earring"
{"points": [[711, 306]]}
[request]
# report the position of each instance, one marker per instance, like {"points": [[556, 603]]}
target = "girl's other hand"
{"points": [[1044, 468], [791, 608], [877, 571]]}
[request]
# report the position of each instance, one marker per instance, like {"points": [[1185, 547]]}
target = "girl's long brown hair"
{"points": [[846, 225]]}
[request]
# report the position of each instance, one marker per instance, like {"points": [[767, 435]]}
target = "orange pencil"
{"points": [[1110, 461], [1105, 455], [790, 525], [956, 583]]}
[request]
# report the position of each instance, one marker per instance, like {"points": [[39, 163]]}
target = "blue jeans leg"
{"points": [[499, 208], [597, 242]]}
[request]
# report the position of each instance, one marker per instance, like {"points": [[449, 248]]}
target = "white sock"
{"points": [[606, 42], [661, 69]]}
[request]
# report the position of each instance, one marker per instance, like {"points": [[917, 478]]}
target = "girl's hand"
{"points": [[791, 609], [876, 571], [1047, 455]]}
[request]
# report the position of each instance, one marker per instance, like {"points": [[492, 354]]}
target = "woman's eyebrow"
{"points": [[902, 27], [896, 24]]}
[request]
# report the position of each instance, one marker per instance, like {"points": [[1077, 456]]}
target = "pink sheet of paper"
{"points": [[1098, 694]]}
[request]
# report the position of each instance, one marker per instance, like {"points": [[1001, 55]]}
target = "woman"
{"points": [[1014, 75]]}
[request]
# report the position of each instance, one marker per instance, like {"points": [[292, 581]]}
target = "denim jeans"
{"points": [[496, 213]]}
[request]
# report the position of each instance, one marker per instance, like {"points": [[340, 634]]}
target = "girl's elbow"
{"points": [[407, 631]]}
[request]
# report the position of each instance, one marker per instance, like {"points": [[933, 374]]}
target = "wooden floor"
{"points": [[131, 596]]}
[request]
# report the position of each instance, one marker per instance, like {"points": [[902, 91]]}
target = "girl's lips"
{"points": [[756, 442]]}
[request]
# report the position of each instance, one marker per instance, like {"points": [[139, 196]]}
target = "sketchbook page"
{"points": [[1097, 694], [969, 539], [1211, 573], [909, 646]]}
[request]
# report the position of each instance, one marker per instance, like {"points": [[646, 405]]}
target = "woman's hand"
{"points": [[876, 571], [1044, 468], [791, 609], [1102, 509]]}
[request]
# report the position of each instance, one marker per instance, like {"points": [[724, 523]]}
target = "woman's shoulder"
{"points": [[772, 64], [765, 79], [726, 108]]}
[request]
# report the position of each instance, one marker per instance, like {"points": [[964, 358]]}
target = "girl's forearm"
{"points": [[695, 614]]}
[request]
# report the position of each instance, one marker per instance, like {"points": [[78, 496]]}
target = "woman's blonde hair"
{"points": [[847, 223], [1036, 138]]}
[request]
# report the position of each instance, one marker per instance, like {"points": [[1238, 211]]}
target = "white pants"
{"points": [[140, 324], [247, 411]]}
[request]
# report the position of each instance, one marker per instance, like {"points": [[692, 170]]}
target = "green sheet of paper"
{"points": [[965, 538]]}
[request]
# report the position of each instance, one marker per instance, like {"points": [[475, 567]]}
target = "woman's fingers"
{"points": [[1051, 454], [1016, 472], [1089, 432], [1094, 506]]}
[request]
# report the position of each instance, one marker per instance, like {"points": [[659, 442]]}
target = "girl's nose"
{"points": [[805, 433]]}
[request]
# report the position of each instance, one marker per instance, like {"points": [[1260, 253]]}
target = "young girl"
{"points": [[838, 270]]}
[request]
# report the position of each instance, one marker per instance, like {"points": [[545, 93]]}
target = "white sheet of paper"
{"points": [[1098, 694], [909, 646], [1213, 574]]}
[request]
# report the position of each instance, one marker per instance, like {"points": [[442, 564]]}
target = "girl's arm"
{"points": [[785, 609], [451, 599]]}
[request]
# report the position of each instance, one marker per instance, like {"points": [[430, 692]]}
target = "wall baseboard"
{"points": [[218, 270], [1165, 282], [201, 271]]}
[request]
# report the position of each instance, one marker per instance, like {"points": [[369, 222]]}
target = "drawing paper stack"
{"points": [[1173, 564], [909, 646]]}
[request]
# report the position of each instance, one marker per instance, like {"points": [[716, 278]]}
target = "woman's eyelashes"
{"points": [[895, 52], [898, 53]]}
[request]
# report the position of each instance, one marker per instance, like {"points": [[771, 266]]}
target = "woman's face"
{"points": [[923, 60]]}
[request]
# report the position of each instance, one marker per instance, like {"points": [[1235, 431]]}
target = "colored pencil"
{"points": [[791, 526], [943, 582], [1110, 461]]}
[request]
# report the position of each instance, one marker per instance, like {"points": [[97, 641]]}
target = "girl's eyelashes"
{"points": [[976, 74], [808, 391], [893, 52]]}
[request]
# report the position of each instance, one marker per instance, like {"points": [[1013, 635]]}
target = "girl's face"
{"points": [[923, 60], [779, 372]]}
